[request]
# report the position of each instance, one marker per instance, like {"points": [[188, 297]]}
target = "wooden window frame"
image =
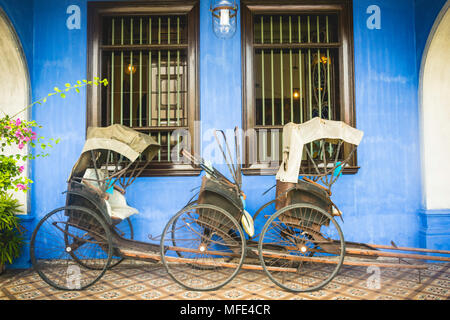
{"points": [[96, 10], [344, 8]]}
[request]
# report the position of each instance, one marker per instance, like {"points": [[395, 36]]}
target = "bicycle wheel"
{"points": [[66, 233], [123, 229], [203, 247], [301, 248]]}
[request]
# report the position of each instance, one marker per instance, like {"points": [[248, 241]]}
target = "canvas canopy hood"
{"points": [[123, 140], [295, 136]]}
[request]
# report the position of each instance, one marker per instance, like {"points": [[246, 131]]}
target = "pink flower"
{"points": [[21, 187], [18, 134], [21, 168], [21, 146], [33, 137], [7, 127], [26, 139], [18, 122]]}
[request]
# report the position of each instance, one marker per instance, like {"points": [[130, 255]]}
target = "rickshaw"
{"points": [[204, 245], [73, 246], [301, 247]]}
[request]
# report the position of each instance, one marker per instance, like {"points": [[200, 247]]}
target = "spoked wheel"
{"points": [[122, 228], [203, 247], [66, 233], [301, 248]]}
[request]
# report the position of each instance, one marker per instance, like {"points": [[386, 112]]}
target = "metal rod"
{"points": [[168, 88], [112, 72], [309, 70], [131, 74], [271, 72], [328, 72], [159, 87], [290, 70], [300, 70], [150, 76], [262, 76], [178, 88], [121, 74], [140, 75], [319, 62], [281, 72]]}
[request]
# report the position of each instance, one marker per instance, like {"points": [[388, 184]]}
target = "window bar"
{"points": [[121, 74], [271, 71], [328, 72], [290, 70], [309, 70], [178, 72], [112, 72], [273, 85], [131, 74], [319, 62], [178, 88], [300, 70], [168, 88], [263, 94], [159, 86], [262, 76], [140, 75], [150, 71], [281, 72], [309, 76], [330, 150]]}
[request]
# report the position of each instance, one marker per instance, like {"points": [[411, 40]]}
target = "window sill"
{"points": [[265, 171], [170, 170]]}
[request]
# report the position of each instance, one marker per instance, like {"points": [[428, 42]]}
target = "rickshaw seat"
{"points": [[116, 204], [118, 207]]}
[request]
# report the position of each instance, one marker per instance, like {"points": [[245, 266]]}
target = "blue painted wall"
{"points": [[426, 13], [380, 203], [21, 17]]}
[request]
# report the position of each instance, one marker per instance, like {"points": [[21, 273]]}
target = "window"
{"points": [[297, 65], [149, 54]]}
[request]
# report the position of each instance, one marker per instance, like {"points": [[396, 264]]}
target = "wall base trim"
{"points": [[434, 231]]}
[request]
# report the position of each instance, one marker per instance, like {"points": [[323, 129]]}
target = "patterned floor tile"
{"points": [[140, 282]]}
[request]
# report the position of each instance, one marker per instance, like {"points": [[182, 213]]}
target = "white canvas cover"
{"points": [[116, 204], [121, 139], [295, 136]]}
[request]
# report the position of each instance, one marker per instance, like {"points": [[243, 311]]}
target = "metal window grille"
{"points": [[145, 60], [295, 62]]}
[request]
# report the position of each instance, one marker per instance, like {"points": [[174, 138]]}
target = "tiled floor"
{"points": [[150, 281]]}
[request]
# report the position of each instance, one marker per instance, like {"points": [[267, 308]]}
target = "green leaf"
{"points": [[63, 95]]}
